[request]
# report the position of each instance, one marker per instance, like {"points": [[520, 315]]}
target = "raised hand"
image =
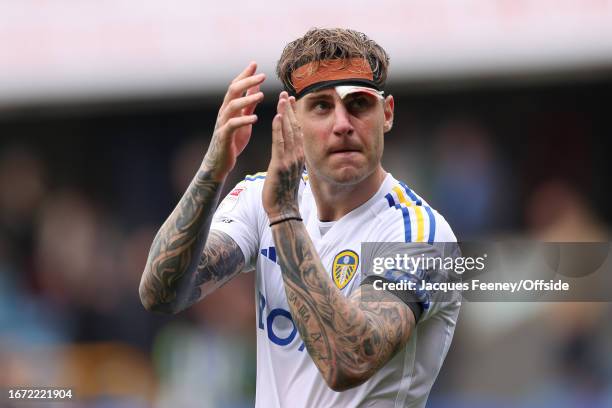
{"points": [[184, 264], [234, 122], [287, 162]]}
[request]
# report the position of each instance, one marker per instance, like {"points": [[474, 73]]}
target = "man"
{"points": [[319, 344]]}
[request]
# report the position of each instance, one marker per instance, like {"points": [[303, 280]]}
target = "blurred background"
{"points": [[107, 108]]}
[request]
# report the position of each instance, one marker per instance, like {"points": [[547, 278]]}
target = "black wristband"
{"points": [[278, 221]]}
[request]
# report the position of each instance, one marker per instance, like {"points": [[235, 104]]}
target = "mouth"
{"points": [[345, 154], [345, 151]]}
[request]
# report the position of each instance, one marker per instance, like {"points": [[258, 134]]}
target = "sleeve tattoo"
{"points": [[179, 271], [348, 339]]}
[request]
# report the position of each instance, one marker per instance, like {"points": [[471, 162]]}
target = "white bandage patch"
{"points": [[344, 90]]}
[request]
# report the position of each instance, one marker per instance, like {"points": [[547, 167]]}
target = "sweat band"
{"points": [[331, 73]]}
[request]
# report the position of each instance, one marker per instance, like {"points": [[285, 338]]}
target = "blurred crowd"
{"points": [[70, 315], [82, 196]]}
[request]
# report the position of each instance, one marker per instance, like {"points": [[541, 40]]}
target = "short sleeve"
{"points": [[237, 216], [409, 270]]}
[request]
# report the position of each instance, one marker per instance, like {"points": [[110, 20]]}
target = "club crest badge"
{"points": [[345, 266]]}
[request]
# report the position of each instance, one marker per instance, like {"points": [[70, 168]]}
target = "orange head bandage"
{"points": [[315, 76]]}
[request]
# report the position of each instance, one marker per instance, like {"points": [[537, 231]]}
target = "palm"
{"points": [[241, 139], [235, 121]]}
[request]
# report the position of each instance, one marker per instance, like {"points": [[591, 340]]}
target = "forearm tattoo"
{"points": [[221, 260], [347, 339], [169, 280], [287, 188]]}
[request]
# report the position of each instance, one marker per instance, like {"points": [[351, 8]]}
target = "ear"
{"points": [[388, 106]]}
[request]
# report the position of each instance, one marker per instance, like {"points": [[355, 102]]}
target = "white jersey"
{"points": [[286, 375]]}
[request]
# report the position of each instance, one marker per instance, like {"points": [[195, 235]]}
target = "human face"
{"points": [[343, 138]]}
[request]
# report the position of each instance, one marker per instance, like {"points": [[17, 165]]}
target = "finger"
{"points": [[248, 110], [236, 106], [278, 143], [282, 110], [238, 88], [280, 105], [248, 71], [253, 90], [295, 124], [240, 121], [287, 130]]}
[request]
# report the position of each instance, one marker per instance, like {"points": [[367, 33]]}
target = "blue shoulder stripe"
{"points": [[432, 218], [406, 214], [407, 227], [390, 200], [411, 194], [432, 225]]}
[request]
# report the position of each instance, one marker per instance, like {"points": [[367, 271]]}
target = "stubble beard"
{"points": [[345, 176]]}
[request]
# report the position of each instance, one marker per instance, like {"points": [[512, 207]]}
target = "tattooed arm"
{"points": [[185, 263], [176, 276], [348, 339]]}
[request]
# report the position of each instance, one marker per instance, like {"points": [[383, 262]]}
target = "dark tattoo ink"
{"points": [[347, 339], [172, 277]]}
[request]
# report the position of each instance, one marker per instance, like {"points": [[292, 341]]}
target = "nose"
{"points": [[342, 122]]}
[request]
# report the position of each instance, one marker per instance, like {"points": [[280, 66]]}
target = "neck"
{"points": [[336, 200]]}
